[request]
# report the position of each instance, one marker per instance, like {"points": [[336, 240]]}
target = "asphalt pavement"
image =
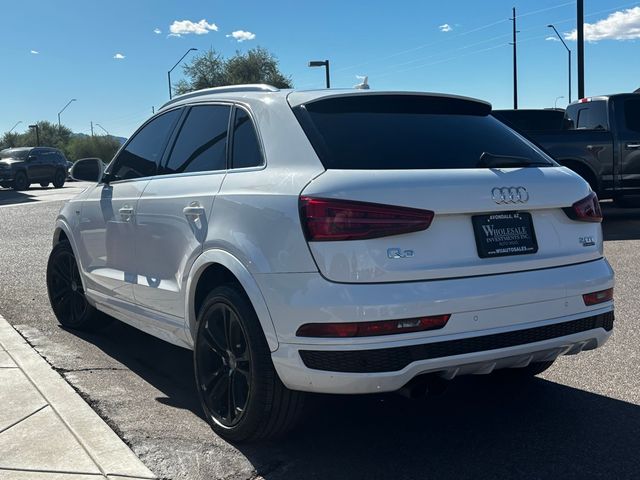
{"points": [[580, 419]]}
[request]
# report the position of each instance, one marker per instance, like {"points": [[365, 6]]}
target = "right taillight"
{"points": [[585, 210], [327, 219]]}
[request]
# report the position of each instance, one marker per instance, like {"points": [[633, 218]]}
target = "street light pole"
{"points": [[325, 64], [65, 107], [177, 63], [568, 51], [555, 104], [103, 129], [17, 123]]}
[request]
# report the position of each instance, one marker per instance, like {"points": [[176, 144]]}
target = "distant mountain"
{"points": [[119, 139]]}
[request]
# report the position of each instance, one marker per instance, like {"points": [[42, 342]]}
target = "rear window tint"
{"points": [[383, 132]]}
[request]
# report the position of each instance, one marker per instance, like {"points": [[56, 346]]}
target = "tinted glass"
{"points": [[246, 150], [592, 116], [202, 142], [531, 120], [632, 114], [408, 132], [145, 150], [14, 153]]}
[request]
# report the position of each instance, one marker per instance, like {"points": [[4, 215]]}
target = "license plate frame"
{"points": [[504, 234]]}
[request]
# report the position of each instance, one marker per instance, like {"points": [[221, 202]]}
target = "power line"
{"points": [[449, 37]]}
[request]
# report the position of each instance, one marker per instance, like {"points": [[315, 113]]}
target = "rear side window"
{"points": [[144, 151], [246, 149], [632, 114], [592, 116], [201, 145], [371, 132]]}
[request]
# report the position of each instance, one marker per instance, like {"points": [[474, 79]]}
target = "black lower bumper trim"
{"points": [[396, 358]]}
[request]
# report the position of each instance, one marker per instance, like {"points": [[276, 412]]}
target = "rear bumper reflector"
{"points": [[394, 359], [595, 298]]}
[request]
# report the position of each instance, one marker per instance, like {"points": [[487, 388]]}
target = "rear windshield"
{"points": [[383, 132]]}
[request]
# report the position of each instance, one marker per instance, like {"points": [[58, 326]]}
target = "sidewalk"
{"points": [[47, 432]]}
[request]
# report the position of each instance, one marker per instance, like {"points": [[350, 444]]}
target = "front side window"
{"points": [[201, 145], [246, 149], [144, 151]]}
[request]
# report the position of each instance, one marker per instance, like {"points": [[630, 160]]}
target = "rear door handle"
{"points": [[193, 211], [632, 146], [126, 213]]}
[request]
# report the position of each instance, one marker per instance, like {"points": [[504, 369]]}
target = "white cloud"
{"points": [[621, 25], [157, 31], [35, 52], [119, 56], [185, 27], [445, 27], [241, 35], [551, 38]]}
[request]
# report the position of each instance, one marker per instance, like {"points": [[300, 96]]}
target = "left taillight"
{"points": [[326, 219], [585, 210]]}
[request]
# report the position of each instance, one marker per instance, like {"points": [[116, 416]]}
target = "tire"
{"points": [[6, 185], [59, 178], [66, 293], [21, 182], [240, 392], [44, 184], [524, 373]]}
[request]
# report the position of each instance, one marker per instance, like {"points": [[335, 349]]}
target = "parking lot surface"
{"points": [[580, 419]]}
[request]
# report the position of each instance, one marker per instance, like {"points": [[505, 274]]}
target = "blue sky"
{"points": [[453, 46]]}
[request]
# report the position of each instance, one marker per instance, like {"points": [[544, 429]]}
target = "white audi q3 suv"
{"points": [[333, 241]]}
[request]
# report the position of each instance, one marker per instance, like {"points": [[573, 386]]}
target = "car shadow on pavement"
{"points": [[13, 197], [481, 427]]}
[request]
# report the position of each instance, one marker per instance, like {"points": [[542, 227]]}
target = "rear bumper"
{"points": [[497, 321]]}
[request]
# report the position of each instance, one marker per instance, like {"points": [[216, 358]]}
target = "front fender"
{"points": [[235, 266]]}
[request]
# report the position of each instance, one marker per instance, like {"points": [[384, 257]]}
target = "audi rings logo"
{"points": [[510, 195]]}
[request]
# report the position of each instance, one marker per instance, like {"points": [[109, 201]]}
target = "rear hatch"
{"points": [[422, 187]]}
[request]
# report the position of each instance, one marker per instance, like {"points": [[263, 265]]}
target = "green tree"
{"points": [[103, 147], [211, 70]]}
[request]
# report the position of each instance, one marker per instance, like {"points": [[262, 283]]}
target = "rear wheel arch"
{"points": [[218, 267]]}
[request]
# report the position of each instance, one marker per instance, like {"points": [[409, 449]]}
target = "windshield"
{"points": [[373, 132], [18, 153]]}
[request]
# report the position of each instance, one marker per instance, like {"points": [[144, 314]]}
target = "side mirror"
{"points": [[88, 170]]}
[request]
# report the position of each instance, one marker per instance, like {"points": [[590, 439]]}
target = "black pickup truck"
{"points": [[598, 138], [20, 167]]}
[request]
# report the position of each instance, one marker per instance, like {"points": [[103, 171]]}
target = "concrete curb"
{"points": [[98, 443]]}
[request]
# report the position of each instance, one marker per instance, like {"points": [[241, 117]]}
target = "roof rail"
{"points": [[250, 87]]}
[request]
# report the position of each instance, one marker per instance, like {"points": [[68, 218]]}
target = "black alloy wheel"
{"points": [[224, 365], [66, 292], [240, 392]]}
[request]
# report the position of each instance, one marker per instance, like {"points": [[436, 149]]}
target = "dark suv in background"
{"points": [[20, 167]]}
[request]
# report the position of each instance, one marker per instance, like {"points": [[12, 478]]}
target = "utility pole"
{"points": [[36, 127], [515, 61], [92, 128], [580, 27]]}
